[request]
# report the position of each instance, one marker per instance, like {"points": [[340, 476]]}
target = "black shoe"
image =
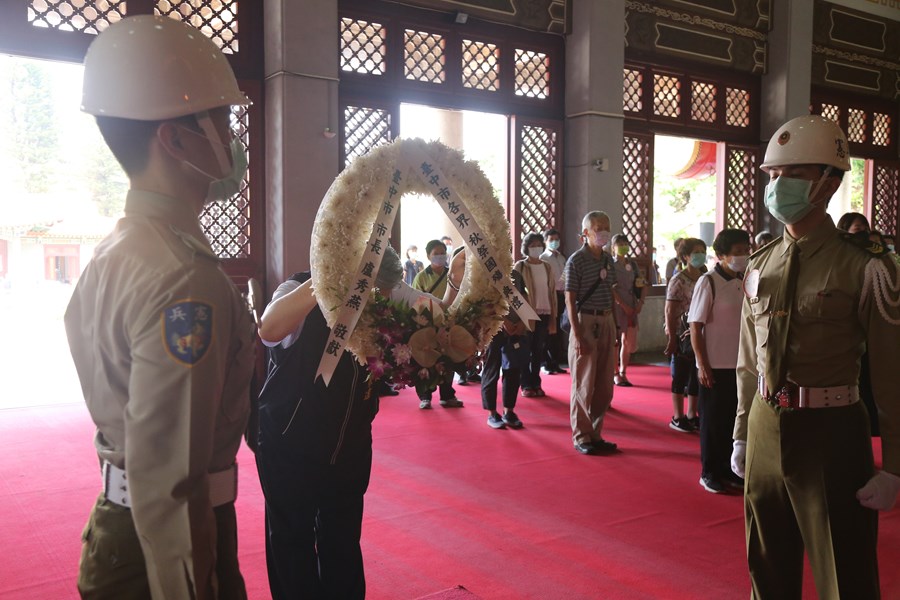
{"points": [[462, 381], [733, 481], [711, 485], [682, 424], [602, 445], [474, 377], [585, 448], [510, 418], [494, 421], [695, 423]]}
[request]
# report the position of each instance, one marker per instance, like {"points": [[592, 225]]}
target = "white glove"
{"points": [[880, 493], [738, 456]]}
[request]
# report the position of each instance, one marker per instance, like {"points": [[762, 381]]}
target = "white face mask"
{"points": [[738, 264], [439, 260], [535, 252]]}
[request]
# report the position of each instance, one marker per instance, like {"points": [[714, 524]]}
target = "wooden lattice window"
{"points": [[740, 189], [217, 19], [363, 47], [637, 194], [886, 200], [88, 16], [881, 129], [666, 96], [480, 65], [737, 107], [424, 56], [632, 97], [364, 129], [538, 181], [856, 125], [703, 102], [830, 111], [227, 222], [532, 74]]}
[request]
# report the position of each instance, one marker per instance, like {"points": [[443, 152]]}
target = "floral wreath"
{"points": [[422, 344]]}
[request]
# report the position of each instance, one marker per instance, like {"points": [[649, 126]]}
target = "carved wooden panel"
{"points": [[637, 192]]}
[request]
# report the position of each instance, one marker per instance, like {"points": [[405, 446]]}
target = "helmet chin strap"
{"points": [[820, 183]]}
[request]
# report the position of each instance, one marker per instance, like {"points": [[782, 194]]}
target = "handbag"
{"points": [[683, 332]]}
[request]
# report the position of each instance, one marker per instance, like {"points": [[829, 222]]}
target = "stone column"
{"points": [[595, 58], [301, 114], [785, 88]]}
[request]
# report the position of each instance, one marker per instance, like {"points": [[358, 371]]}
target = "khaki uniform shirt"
{"points": [[836, 313], [164, 348]]}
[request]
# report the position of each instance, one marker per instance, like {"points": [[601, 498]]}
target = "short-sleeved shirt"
{"points": [[583, 269], [720, 313], [427, 278], [557, 263], [680, 290]]}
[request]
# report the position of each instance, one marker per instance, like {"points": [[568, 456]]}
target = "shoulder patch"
{"points": [[187, 327], [864, 243], [767, 247]]}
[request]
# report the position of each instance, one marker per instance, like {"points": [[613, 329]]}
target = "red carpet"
{"points": [[505, 514]]}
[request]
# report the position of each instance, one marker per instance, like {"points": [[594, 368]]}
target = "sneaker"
{"points": [[539, 393], [424, 403], [711, 485], [451, 403], [494, 421], [681, 424], [510, 418], [695, 423]]}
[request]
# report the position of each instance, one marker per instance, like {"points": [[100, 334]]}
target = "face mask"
{"points": [[601, 238], [439, 260], [535, 252], [622, 250], [413, 256], [738, 264], [698, 259], [890, 247], [228, 186], [553, 244], [787, 198]]}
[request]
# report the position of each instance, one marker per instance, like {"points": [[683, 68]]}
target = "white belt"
{"points": [[792, 396], [222, 485]]}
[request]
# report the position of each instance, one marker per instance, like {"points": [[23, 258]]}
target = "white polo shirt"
{"points": [[721, 316]]}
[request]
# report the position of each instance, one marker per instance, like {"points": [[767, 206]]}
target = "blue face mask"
{"points": [[698, 259], [787, 198], [553, 244]]}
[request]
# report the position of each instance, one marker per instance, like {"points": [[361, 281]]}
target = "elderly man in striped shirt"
{"points": [[590, 293]]}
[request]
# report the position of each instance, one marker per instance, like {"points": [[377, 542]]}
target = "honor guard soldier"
{"points": [[162, 341], [815, 300]]}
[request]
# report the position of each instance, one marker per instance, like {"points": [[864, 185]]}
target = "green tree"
{"points": [[33, 131], [106, 181]]}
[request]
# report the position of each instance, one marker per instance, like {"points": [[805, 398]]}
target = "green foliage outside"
{"points": [[679, 206]]}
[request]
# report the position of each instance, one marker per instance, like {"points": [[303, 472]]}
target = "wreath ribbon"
{"points": [[456, 209]]}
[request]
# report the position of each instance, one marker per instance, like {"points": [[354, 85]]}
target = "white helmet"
{"points": [[152, 68], [809, 140]]}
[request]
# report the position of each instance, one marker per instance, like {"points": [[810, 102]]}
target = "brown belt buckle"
{"points": [[787, 396]]}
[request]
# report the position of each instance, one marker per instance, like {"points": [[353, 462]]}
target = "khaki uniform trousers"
{"points": [[112, 561], [803, 470], [592, 376]]}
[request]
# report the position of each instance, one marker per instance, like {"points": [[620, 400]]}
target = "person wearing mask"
{"points": [[540, 287], [815, 300], [676, 263], [590, 294], [853, 222], [433, 280], [413, 266], [555, 356], [162, 341], [889, 243], [314, 454], [447, 241], [631, 290], [653, 277], [762, 238], [715, 322], [679, 293]]}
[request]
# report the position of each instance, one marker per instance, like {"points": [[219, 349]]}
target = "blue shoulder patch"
{"points": [[187, 330]]}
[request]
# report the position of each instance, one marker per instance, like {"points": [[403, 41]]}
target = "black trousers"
{"points": [[555, 354], [718, 405], [490, 375], [313, 523], [531, 375]]}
